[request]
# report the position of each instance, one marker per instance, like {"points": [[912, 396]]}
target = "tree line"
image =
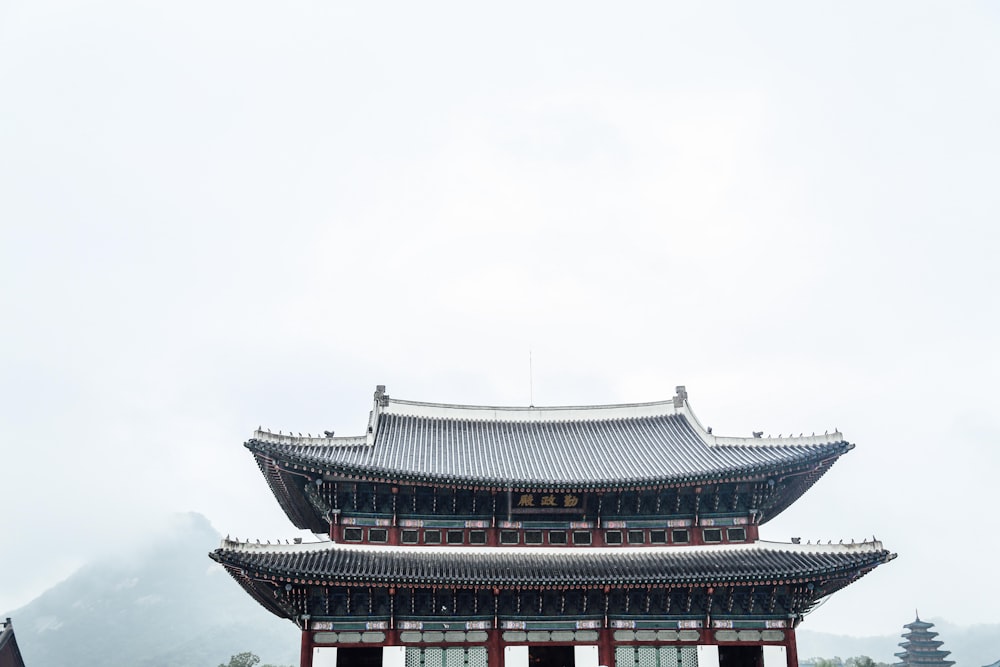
{"points": [[857, 661], [246, 659]]}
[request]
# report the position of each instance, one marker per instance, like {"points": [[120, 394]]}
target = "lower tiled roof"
{"points": [[486, 566]]}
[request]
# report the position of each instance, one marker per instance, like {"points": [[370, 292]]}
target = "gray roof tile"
{"points": [[484, 566], [623, 451]]}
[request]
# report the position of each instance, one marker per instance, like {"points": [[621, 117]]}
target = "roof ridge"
{"points": [[529, 414], [403, 401]]}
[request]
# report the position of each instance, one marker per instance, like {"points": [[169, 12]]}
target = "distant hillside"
{"points": [[165, 605], [970, 646]]}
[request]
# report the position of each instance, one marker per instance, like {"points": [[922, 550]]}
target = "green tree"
{"points": [[245, 659], [827, 662], [863, 661]]}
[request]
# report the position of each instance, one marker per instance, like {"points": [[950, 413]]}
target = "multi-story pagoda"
{"points": [[921, 649], [622, 535]]}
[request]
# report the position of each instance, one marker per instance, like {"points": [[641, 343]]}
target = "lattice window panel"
{"points": [[670, 657], [646, 656], [433, 657], [688, 656], [651, 656], [454, 657], [477, 657], [447, 657], [625, 656]]}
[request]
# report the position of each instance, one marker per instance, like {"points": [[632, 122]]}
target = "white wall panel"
{"points": [[585, 656], [393, 656], [325, 656], [775, 656], [708, 655], [515, 656]]}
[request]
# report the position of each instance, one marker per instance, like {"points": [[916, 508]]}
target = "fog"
{"points": [[220, 215]]}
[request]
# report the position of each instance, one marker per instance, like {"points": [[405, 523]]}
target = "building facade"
{"points": [[624, 535]]}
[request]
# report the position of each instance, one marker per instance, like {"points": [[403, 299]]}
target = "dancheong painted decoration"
{"points": [[621, 535]]}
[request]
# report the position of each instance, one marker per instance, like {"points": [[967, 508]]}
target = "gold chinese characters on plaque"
{"points": [[546, 501]]}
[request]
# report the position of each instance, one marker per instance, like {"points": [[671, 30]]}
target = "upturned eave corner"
{"points": [[682, 404]]}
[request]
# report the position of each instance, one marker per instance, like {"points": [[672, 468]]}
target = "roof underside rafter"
{"points": [[814, 571]]}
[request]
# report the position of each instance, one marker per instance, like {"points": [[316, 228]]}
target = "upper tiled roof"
{"points": [[567, 447], [836, 564]]}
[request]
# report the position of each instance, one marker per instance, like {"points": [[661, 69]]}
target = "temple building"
{"points": [[621, 535], [10, 654], [920, 648]]}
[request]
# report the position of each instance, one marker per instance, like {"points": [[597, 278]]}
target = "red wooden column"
{"points": [[791, 650], [605, 648], [493, 532], [306, 652], [597, 533], [494, 649], [335, 527], [393, 531]]}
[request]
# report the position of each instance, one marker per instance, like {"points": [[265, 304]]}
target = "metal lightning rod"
{"points": [[531, 381]]}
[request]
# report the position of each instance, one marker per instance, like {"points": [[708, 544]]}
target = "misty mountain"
{"points": [[970, 646], [161, 605]]}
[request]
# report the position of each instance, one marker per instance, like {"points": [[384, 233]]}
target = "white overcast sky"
{"points": [[215, 215]]}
